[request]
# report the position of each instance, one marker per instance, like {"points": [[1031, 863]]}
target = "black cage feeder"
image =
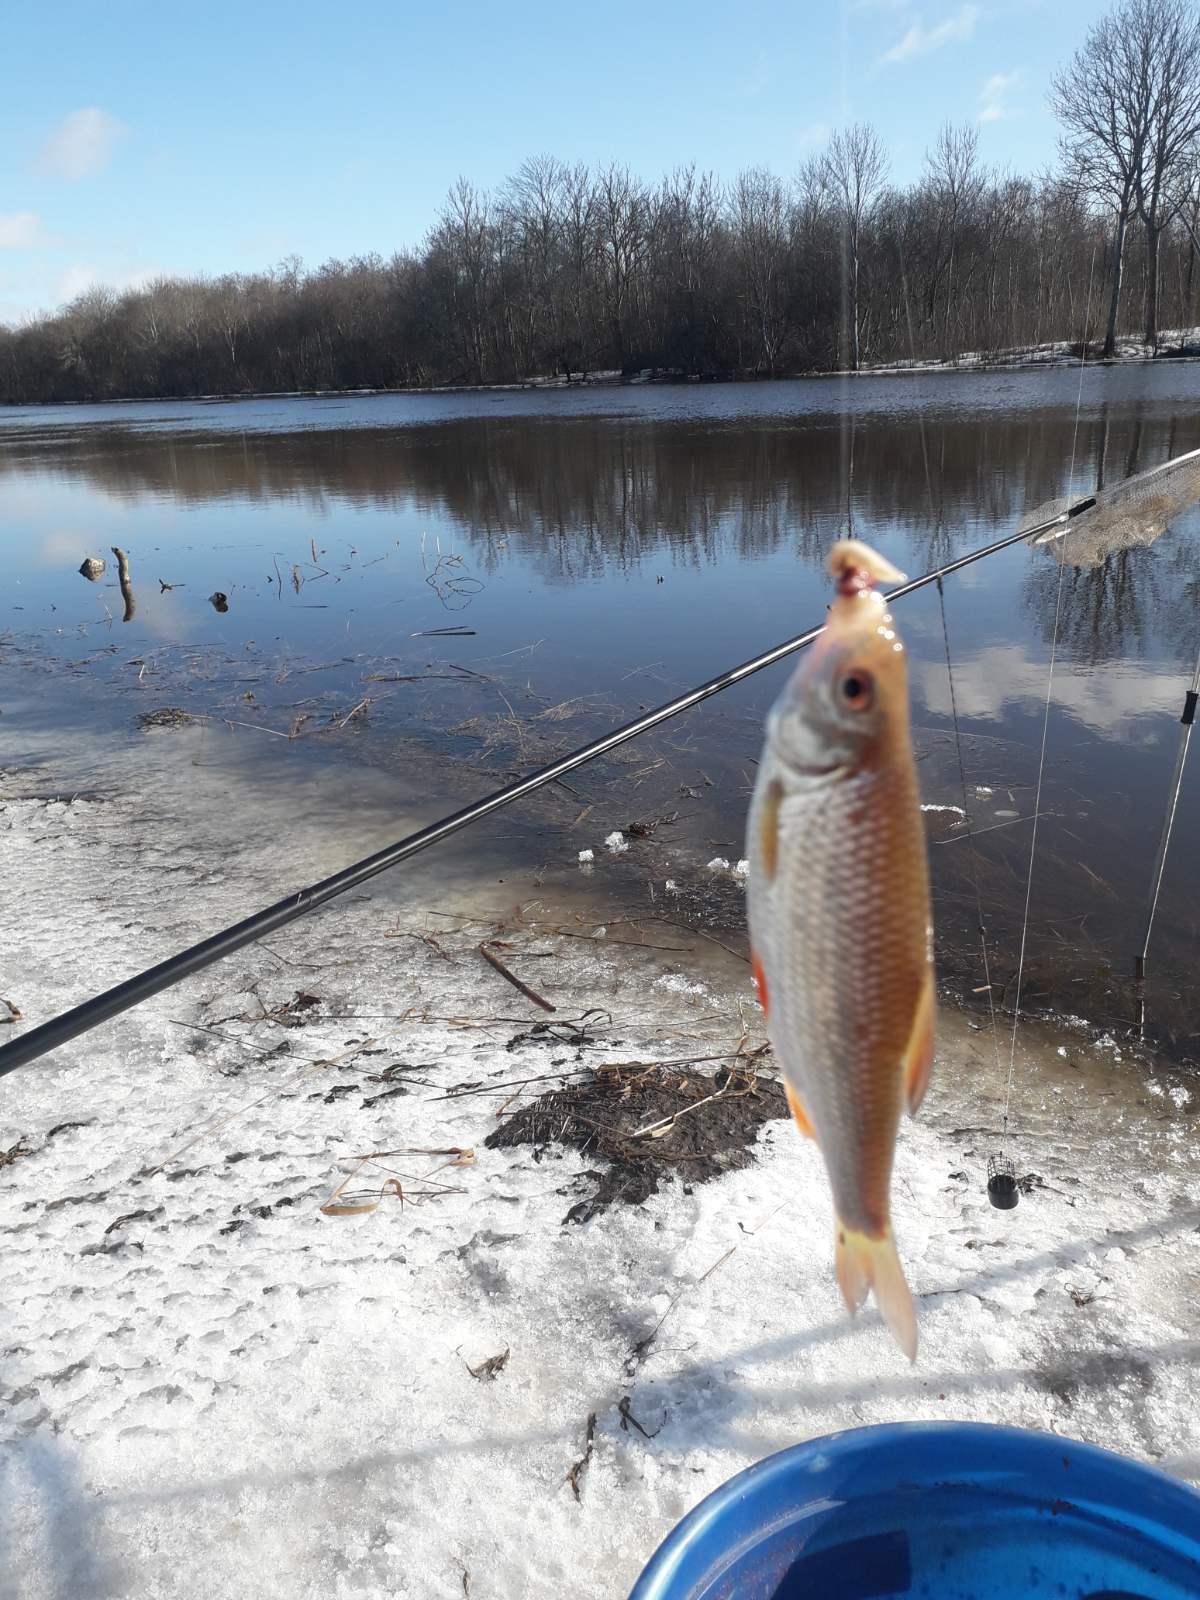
{"points": [[1002, 1187]]}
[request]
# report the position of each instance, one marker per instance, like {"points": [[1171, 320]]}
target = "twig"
{"points": [[232, 722], [124, 580], [418, 677], [353, 712], [523, 988], [580, 1466]]}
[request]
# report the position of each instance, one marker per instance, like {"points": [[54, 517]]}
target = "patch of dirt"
{"points": [[166, 717], [647, 1122]]}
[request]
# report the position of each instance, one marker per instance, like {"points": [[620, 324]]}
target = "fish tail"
{"points": [[865, 1263]]}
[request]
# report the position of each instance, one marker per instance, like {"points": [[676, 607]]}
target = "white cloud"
{"points": [[993, 96], [920, 40], [82, 145], [81, 276], [21, 230], [813, 135], [756, 78]]}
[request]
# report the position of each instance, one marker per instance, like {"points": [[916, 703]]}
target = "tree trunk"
{"points": [[1153, 235], [1110, 337]]}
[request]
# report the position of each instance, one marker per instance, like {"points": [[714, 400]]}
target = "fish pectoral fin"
{"points": [[866, 1263], [918, 1057], [803, 1120], [760, 979]]}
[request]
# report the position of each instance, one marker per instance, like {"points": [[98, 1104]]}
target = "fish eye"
{"points": [[856, 690]]}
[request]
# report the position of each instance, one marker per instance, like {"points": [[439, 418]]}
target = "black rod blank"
{"points": [[90, 1013]]}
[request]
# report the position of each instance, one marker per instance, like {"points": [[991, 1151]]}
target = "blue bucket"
{"points": [[936, 1511]]}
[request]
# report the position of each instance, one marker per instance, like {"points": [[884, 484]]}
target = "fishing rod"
{"points": [[89, 1014]]}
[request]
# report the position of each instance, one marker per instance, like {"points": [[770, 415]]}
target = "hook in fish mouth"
{"points": [[857, 568]]}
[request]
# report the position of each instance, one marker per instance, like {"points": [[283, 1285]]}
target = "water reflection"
{"points": [[606, 550], [578, 496]]}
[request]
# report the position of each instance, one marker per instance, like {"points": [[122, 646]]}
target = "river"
{"points": [[598, 550]]}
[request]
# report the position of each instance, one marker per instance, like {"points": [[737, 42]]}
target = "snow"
{"points": [[208, 1387], [1172, 342], [617, 843], [585, 856]]}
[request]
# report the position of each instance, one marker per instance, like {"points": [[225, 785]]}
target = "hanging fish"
{"points": [[838, 902]]}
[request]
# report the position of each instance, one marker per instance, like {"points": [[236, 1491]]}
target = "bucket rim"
{"points": [[1050, 1461]]}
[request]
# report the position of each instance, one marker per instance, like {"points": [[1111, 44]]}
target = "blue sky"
{"points": [[137, 138]]}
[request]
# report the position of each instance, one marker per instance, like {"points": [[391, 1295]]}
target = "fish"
{"points": [[839, 916]]}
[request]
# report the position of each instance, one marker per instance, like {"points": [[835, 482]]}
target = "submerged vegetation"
{"points": [[568, 271]]}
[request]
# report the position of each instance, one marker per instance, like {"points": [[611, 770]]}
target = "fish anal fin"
{"points": [[803, 1121], [918, 1057], [865, 1263]]}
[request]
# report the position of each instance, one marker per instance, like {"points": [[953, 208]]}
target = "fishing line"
{"points": [[1037, 800], [1164, 844], [962, 778], [60, 1030], [962, 771]]}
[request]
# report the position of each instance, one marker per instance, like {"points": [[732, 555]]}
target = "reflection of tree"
{"points": [[572, 493], [1107, 611]]}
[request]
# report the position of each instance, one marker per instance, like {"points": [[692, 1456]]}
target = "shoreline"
{"points": [[192, 1337], [1056, 357]]}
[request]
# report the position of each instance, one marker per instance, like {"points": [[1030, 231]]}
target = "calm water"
{"points": [[607, 547]]}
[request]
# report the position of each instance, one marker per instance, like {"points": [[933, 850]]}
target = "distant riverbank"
{"points": [[1177, 344]]}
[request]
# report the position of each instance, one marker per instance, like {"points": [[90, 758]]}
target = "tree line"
{"points": [[568, 271]]}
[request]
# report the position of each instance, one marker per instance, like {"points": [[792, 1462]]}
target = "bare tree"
{"points": [[954, 188], [1104, 99], [855, 169], [760, 226], [622, 210], [1172, 127]]}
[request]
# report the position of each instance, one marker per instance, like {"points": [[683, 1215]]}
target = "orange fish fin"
{"points": [[760, 980], [803, 1121], [864, 1263], [918, 1057]]}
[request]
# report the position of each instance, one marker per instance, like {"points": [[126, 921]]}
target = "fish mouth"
{"points": [[815, 775]]}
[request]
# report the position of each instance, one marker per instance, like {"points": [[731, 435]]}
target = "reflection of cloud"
{"points": [[21, 230], [920, 40], [1002, 675], [82, 144], [64, 548]]}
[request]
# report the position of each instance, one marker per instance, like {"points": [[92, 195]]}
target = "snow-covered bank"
{"points": [[1173, 344], [210, 1387]]}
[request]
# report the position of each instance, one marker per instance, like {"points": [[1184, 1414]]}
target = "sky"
{"points": [[139, 139]]}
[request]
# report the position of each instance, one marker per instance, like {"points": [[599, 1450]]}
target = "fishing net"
{"points": [[1128, 514]]}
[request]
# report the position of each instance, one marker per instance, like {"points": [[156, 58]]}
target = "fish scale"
{"points": [[838, 910]]}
